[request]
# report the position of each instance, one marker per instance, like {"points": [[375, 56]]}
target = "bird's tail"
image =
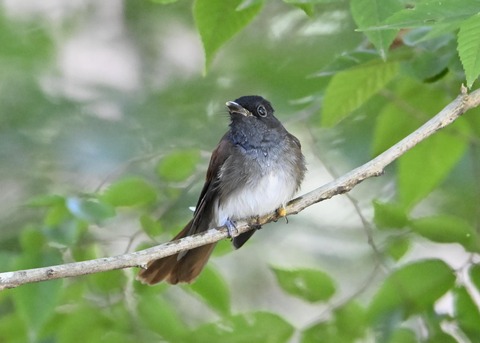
{"points": [[181, 267]]}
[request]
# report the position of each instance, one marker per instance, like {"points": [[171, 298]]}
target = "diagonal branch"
{"points": [[341, 185]]}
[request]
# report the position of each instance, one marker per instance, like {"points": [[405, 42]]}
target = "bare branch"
{"points": [[341, 185]]}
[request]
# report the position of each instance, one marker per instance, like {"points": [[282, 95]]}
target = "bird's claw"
{"points": [[282, 212], [231, 228]]}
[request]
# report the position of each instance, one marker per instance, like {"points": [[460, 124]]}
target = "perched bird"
{"points": [[255, 169]]}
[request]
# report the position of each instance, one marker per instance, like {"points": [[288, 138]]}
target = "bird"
{"points": [[255, 169]]}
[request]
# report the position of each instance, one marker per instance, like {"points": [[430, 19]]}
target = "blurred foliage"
{"points": [[109, 111]]}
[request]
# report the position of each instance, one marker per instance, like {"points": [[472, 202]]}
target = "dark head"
{"points": [[253, 122], [250, 105]]}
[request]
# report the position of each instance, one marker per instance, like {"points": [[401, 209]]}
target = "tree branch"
{"points": [[341, 185]]}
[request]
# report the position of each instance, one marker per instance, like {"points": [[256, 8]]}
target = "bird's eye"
{"points": [[262, 111]]}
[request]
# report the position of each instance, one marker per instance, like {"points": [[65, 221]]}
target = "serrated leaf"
{"points": [[412, 289], [467, 314], [218, 20], [178, 165], [424, 167], [350, 89], [447, 229], [308, 284], [389, 215], [469, 48], [367, 13], [90, 210], [129, 192], [250, 327], [213, 289], [431, 13]]}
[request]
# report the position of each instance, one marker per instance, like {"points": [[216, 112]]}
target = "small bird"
{"points": [[256, 168]]}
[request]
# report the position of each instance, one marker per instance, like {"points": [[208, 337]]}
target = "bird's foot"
{"points": [[231, 228], [282, 212]]}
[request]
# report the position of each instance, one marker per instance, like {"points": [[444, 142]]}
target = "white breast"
{"points": [[270, 192]]}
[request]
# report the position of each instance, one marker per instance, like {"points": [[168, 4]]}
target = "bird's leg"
{"points": [[282, 212], [231, 228]]}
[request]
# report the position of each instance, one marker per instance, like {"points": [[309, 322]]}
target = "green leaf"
{"points": [[398, 247], [308, 284], [218, 20], [424, 167], [178, 165], [160, 316], [367, 13], [474, 273], [87, 322], [90, 210], [347, 325], [13, 329], [431, 13], [350, 89], [392, 125], [350, 322], [429, 66], [447, 229], [469, 48], [32, 240], [307, 6], [150, 226], [412, 289], [129, 192], [36, 302], [45, 200], [389, 215], [313, 2], [322, 332], [467, 314], [441, 337], [164, 1], [403, 336], [213, 289], [348, 60], [57, 214], [108, 282], [251, 327]]}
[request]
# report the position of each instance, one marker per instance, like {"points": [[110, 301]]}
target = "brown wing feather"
{"points": [[185, 266]]}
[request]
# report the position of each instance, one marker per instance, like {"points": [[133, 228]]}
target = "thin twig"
{"points": [[343, 184]]}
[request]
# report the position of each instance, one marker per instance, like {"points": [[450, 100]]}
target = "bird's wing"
{"points": [[210, 188]]}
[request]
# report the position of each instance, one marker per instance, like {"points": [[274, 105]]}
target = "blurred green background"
{"points": [[108, 115]]}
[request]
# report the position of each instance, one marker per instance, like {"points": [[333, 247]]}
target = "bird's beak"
{"points": [[233, 107]]}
